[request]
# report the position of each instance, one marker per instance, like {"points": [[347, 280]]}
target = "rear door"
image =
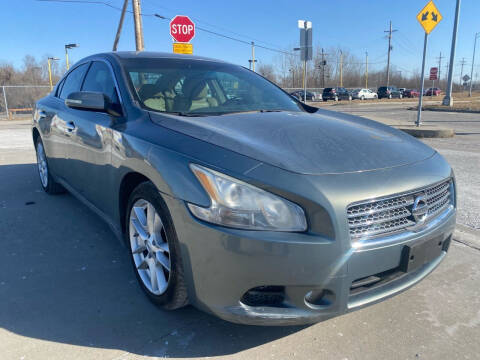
{"points": [[91, 173]]}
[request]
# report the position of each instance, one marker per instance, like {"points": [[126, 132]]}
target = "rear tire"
{"points": [[49, 185], [154, 248]]}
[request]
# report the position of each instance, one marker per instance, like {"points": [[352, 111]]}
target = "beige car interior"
{"points": [[161, 96]]}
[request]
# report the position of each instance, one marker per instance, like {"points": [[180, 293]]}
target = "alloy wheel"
{"points": [[42, 165], [149, 245]]}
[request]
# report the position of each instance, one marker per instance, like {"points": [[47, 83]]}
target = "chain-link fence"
{"points": [[17, 101]]}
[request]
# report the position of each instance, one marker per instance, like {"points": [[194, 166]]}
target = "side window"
{"points": [[59, 88], [99, 78], [73, 81]]}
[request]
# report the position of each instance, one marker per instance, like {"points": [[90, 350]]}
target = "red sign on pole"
{"points": [[182, 29], [433, 73]]}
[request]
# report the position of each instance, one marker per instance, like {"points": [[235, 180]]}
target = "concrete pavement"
{"points": [[67, 289]]}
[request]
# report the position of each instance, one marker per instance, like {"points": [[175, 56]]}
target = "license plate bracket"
{"points": [[416, 255]]}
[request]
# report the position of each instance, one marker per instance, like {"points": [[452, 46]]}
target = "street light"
{"points": [[69, 46], [477, 35], [50, 59]]}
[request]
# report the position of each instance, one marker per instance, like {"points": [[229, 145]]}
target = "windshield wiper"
{"points": [[181, 113], [250, 111]]}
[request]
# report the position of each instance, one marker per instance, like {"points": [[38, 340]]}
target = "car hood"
{"points": [[324, 142]]}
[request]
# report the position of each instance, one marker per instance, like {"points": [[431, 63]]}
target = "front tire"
{"points": [[49, 185], [154, 248]]}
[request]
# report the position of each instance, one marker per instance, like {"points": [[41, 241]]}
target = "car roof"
{"points": [[150, 55]]}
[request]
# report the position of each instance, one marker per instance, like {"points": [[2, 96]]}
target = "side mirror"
{"points": [[91, 101]]}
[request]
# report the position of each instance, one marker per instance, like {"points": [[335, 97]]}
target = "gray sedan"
{"points": [[235, 197]]}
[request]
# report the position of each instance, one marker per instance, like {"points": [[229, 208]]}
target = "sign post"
{"points": [[433, 77], [182, 30], [305, 50], [428, 17]]}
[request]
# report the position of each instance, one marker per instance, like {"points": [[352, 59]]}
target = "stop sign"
{"points": [[182, 28]]}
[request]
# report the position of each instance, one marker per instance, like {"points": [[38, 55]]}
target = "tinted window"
{"points": [[59, 88], [326, 90], [73, 81], [99, 78], [202, 87]]}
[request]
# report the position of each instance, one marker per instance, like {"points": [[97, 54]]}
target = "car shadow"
{"points": [[65, 278]]}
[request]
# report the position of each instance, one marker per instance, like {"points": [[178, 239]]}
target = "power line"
{"points": [[93, 2], [250, 38], [99, 2], [231, 37]]}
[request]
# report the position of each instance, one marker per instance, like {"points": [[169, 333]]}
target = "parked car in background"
{"points": [[433, 92], [389, 92], [299, 94], [411, 93], [336, 93], [257, 208], [364, 94], [402, 90]]}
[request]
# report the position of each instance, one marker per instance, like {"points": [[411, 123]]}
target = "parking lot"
{"points": [[68, 290]]}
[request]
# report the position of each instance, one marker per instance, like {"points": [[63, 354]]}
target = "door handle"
{"points": [[70, 127]]}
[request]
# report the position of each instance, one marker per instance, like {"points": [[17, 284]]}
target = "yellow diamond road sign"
{"points": [[429, 17]]}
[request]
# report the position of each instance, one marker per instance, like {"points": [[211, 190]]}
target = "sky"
{"points": [[40, 27]]}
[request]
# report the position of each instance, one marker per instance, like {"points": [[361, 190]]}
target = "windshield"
{"points": [[197, 87]]}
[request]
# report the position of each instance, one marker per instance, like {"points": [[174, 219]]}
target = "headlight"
{"points": [[240, 205]]}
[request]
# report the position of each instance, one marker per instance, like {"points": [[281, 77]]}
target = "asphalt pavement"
{"points": [[67, 289]]}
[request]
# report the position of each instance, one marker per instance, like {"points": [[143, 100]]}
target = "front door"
{"points": [[90, 151]]}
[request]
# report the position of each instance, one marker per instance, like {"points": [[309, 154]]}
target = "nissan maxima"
{"points": [[235, 197]]}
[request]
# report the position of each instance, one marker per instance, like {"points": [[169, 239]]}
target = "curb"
{"points": [[447, 109], [467, 236], [427, 132]]}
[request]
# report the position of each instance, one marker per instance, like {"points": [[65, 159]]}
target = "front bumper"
{"points": [[222, 264]]}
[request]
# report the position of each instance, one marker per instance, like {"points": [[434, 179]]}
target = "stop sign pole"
{"points": [[182, 30]]}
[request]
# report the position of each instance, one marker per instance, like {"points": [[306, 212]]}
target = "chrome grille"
{"points": [[378, 217]]}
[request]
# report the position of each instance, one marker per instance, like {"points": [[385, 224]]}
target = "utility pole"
{"points": [[366, 69], [473, 62], [253, 57], [137, 20], [448, 99], [440, 66], [462, 63], [120, 25], [323, 68], [390, 31], [341, 68]]}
